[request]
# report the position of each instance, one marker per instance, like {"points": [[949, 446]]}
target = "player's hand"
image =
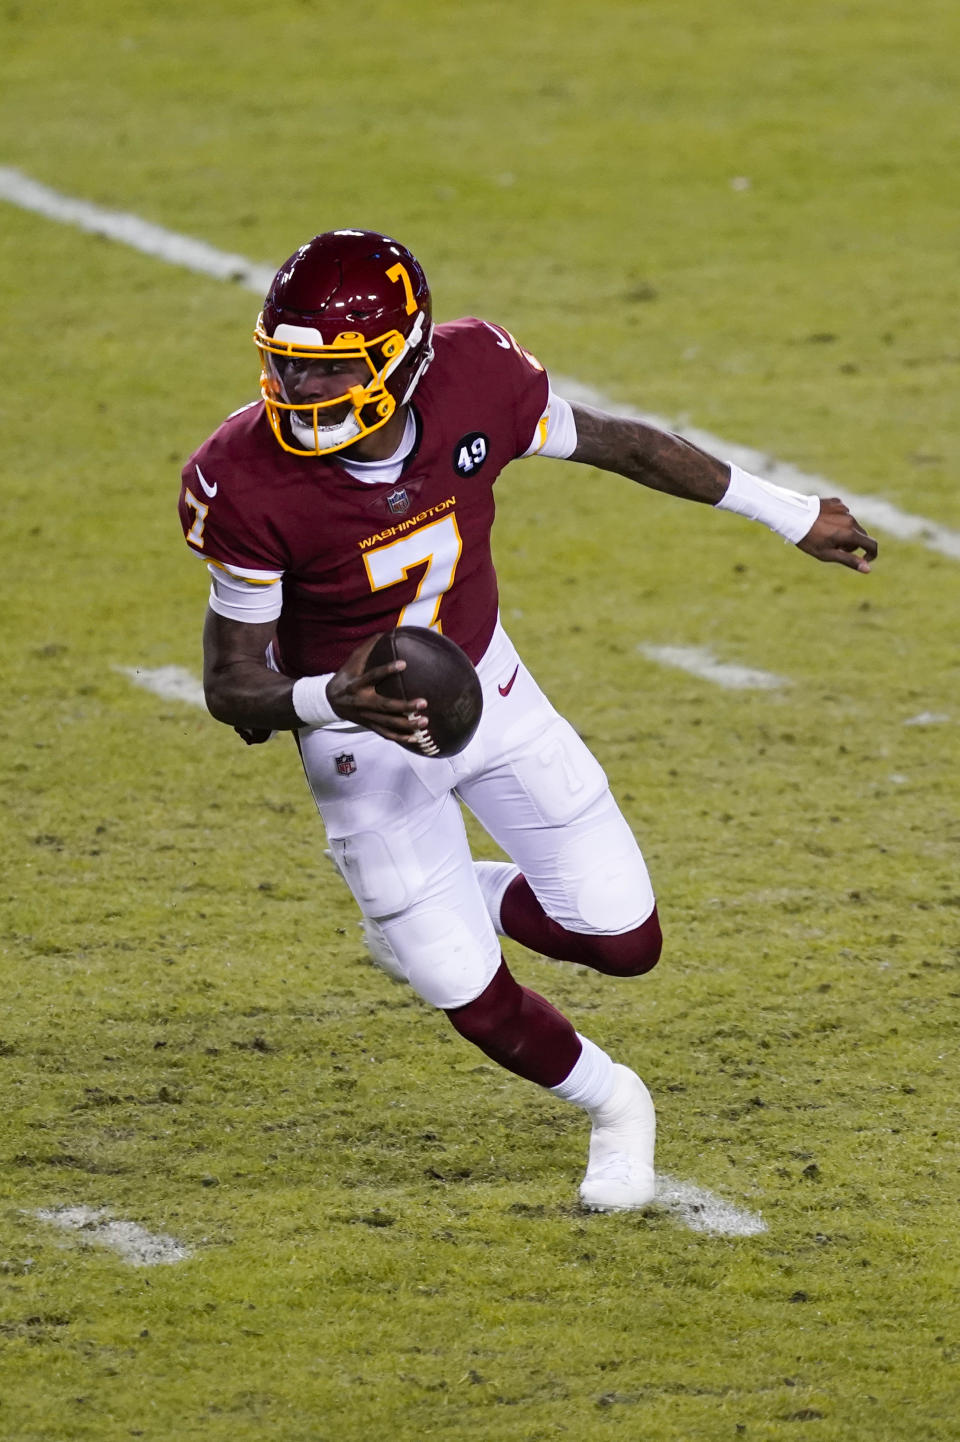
{"points": [[837, 536], [353, 695]]}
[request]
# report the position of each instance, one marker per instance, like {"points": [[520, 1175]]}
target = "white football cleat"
{"points": [[620, 1176], [379, 949]]}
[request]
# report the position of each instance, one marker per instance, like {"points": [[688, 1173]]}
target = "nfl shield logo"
{"points": [[346, 765], [398, 501]]}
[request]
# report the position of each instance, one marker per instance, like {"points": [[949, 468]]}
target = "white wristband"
{"points": [[310, 700], [789, 513]]}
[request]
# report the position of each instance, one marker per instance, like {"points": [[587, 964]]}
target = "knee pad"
{"points": [[446, 961], [608, 885], [612, 893]]}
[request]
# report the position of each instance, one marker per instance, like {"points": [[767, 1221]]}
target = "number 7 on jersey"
{"points": [[438, 544]]}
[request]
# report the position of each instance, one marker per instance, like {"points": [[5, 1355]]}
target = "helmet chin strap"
{"points": [[425, 360], [347, 430]]}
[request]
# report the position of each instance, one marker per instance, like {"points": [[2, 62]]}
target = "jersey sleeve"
{"points": [[246, 574], [516, 378], [223, 531]]}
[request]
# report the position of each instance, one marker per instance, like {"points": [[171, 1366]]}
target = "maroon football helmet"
{"points": [[350, 302]]}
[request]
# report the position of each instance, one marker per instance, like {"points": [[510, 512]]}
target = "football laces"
{"points": [[423, 739]]}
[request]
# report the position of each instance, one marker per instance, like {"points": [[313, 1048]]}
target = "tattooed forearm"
{"points": [[654, 458]]}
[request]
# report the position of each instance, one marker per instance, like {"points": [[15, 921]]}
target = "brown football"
{"points": [[439, 671]]}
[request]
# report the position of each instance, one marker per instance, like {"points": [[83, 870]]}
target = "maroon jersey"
{"points": [[358, 557]]}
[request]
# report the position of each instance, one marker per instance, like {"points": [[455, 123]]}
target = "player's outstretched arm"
{"points": [[241, 689], [654, 458], [668, 463]]}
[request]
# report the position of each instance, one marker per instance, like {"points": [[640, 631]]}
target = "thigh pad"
{"points": [[381, 868], [559, 775]]}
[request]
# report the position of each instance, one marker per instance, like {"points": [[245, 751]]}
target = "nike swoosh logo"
{"points": [[505, 690], [504, 344], [210, 491]]}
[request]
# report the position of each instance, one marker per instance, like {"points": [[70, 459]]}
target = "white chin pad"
{"points": [[347, 430]]}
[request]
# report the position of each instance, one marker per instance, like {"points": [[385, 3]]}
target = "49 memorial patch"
{"points": [[470, 452]]}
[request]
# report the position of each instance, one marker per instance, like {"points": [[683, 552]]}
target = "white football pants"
{"points": [[395, 827]]}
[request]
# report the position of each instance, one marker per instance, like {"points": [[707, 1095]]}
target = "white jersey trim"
{"points": [[556, 432], [253, 596], [245, 573]]}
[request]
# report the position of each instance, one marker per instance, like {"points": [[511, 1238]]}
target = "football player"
{"points": [[357, 495]]}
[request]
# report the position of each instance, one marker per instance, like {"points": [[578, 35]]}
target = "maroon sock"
{"points": [[630, 954], [520, 1030]]}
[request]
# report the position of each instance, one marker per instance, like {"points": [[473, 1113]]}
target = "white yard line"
{"points": [[700, 661], [168, 245], [927, 718], [704, 1211], [173, 683], [130, 230], [129, 1240]]}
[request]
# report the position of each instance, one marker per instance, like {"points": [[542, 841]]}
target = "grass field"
{"points": [[740, 217]]}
